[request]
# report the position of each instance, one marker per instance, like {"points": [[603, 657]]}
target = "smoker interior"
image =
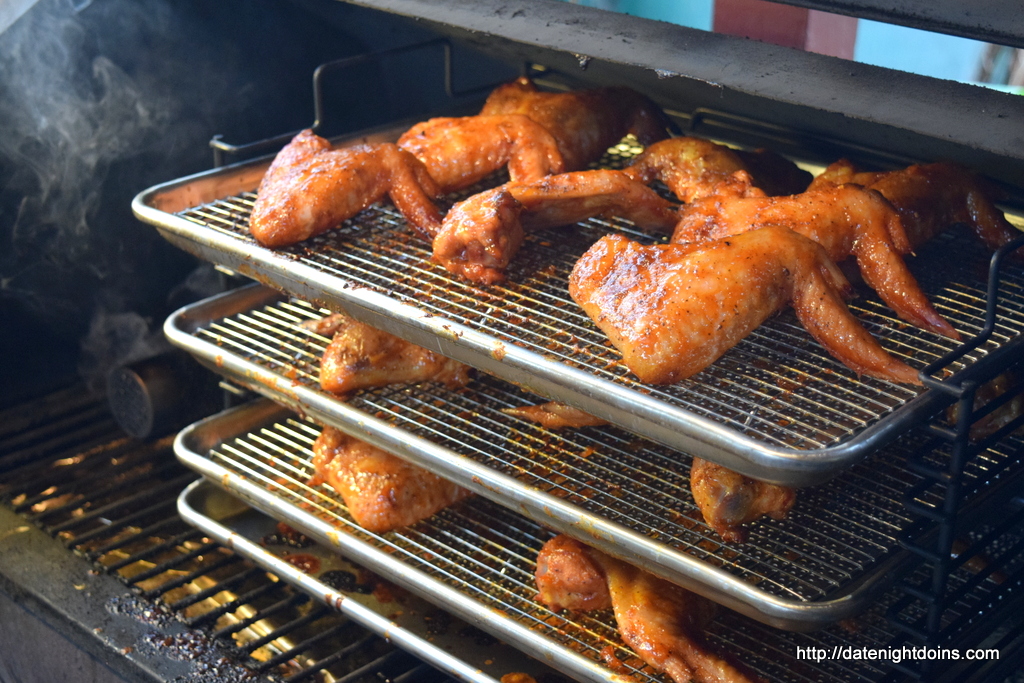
{"points": [[980, 142], [354, 255], [187, 606]]}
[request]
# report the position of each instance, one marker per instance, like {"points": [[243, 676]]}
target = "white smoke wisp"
{"points": [[63, 127], [116, 339]]}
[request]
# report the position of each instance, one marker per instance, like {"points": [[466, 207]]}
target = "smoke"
{"points": [[100, 100], [93, 108]]}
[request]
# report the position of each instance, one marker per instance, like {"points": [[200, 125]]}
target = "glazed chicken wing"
{"points": [[693, 168], [929, 199], [461, 151], [846, 220], [585, 123], [663, 623], [480, 235], [360, 356], [555, 415], [382, 491], [311, 188], [728, 500], [673, 309]]}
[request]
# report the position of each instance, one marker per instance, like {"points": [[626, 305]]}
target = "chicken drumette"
{"points": [[728, 500], [585, 123], [480, 235], [360, 356], [382, 491], [663, 623]]}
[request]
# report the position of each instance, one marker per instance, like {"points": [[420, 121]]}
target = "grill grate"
{"points": [[777, 386], [837, 534], [488, 554], [67, 468]]}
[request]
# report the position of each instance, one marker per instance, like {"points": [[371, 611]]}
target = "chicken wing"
{"points": [[663, 623], [929, 199], [461, 151], [382, 491], [693, 168], [585, 123], [847, 220], [482, 234], [360, 356], [729, 500], [673, 309], [555, 415], [311, 188]]}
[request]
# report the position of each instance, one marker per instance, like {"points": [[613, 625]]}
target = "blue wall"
{"points": [[919, 52]]}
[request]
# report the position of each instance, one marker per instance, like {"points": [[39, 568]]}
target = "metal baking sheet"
{"points": [[447, 644], [477, 560], [629, 497], [775, 407]]}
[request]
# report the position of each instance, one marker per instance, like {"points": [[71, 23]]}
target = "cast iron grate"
{"points": [[67, 467]]}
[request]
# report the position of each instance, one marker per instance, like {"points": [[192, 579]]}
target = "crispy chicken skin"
{"points": [[693, 168], [555, 415], [930, 198], [311, 188], [481, 234], [585, 123], [847, 220], [360, 356], [461, 151], [673, 309], [661, 622], [729, 500], [382, 491]]}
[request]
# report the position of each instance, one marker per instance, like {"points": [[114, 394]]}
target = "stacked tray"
{"points": [[478, 559], [406, 621], [630, 497], [776, 407]]}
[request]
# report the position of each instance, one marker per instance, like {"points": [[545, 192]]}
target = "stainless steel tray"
{"points": [[776, 407], [415, 626], [477, 560], [838, 549]]}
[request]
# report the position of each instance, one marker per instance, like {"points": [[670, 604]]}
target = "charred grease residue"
{"points": [[438, 622], [140, 610], [307, 564], [345, 582], [208, 664], [285, 535], [479, 638]]}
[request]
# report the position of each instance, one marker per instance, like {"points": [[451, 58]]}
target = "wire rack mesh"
{"points": [[488, 553], [777, 386], [838, 534]]}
